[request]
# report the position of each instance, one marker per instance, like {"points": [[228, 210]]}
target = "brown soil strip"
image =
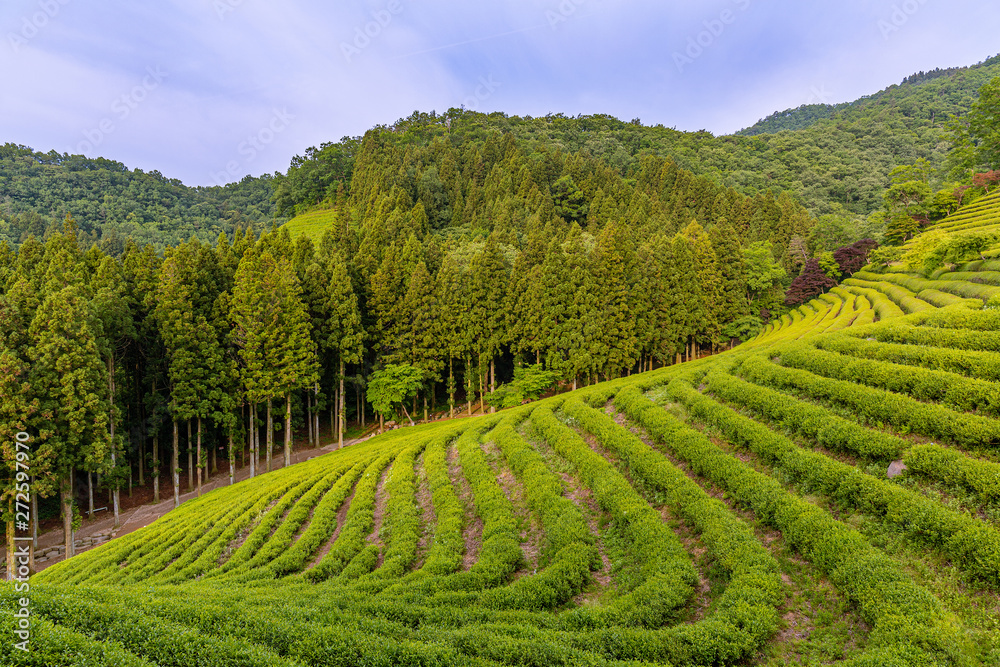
{"points": [[532, 536], [242, 536], [428, 518], [381, 501], [795, 625], [341, 519], [472, 532], [582, 497]]}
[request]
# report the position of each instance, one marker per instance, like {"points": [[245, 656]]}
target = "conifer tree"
{"points": [[344, 333], [316, 297], [423, 348], [571, 324], [710, 282], [451, 321], [616, 276], [70, 380], [488, 282], [732, 302], [291, 353], [175, 316], [687, 305], [112, 308], [141, 269], [252, 314], [18, 404]]}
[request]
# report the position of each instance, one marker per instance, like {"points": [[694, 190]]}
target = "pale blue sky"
{"points": [[210, 90]]}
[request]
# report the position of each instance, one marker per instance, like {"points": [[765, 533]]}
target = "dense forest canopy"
{"points": [[112, 203], [832, 159]]}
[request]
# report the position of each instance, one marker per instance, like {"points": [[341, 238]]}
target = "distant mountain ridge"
{"points": [[958, 80]]}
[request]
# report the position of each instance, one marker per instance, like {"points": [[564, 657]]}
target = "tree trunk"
{"points": [[34, 518], [316, 412], [482, 391], [200, 464], [451, 388], [340, 409], [403, 406], [309, 419], [270, 434], [253, 439], [67, 503], [215, 462], [115, 496], [361, 400], [156, 469], [190, 457], [111, 431], [175, 468], [493, 380], [90, 495], [288, 429], [11, 561], [425, 406], [232, 461]]}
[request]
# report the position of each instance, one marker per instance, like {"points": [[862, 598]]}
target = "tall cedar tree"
{"points": [[711, 281], [616, 277], [112, 308], [423, 347], [344, 334], [17, 405], [175, 314], [687, 306], [486, 298], [70, 380], [451, 323], [291, 354]]}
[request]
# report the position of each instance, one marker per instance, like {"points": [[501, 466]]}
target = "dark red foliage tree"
{"points": [[851, 258], [985, 180], [809, 284]]}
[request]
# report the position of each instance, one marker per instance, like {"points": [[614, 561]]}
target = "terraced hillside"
{"points": [[311, 223], [732, 510]]}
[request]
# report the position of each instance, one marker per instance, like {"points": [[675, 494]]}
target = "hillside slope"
{"points": [[731, 510]]}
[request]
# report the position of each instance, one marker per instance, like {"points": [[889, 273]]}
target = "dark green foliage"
{"points": [[392, 386], [529, 383], [114, 204]]}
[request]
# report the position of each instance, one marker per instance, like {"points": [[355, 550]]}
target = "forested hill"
{"points": [[920, 100], [830, 159], [833, 159], [112, 203]]}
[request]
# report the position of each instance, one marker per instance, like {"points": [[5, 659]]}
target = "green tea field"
{"points": [[733, 510]]}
